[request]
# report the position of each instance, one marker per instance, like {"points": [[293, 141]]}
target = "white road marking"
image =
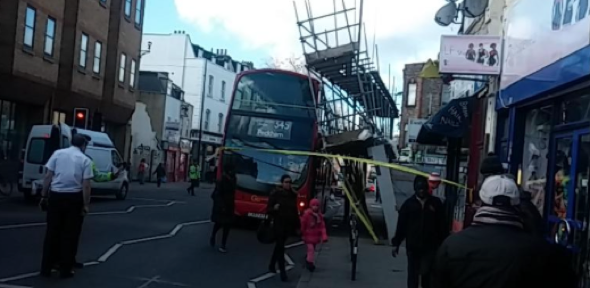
{"points": [[26, 225], [127, 211], [268, 275], [148, 282], [110, 252], [289, 260], [171, 234], [114, 249], [13, 286], [251, 285], [19, 277], [91, 263], [156, 200], [159, 281], [292, 245]]}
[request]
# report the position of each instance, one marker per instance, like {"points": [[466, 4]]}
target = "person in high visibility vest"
{"points": [[194, 174], [98, 177]]}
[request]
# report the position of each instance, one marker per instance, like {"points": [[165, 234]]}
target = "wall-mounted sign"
{"points": [[270, 128], [211, 139], [470, 54]]}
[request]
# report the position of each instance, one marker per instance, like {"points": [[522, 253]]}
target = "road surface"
{"points": [[156, 238]]}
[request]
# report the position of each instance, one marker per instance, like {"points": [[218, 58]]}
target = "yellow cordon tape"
{"points": [[361, 215]]}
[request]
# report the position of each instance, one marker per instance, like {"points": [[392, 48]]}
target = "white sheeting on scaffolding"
{"points": [[385, 185]]}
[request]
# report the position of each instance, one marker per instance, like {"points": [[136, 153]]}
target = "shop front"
{"points": [[543, 129], [210, 143]]}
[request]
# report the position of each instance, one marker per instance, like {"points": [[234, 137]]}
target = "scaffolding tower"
{"points": [[335, 52]]}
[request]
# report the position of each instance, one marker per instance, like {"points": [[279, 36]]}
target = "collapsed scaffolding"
{"points": [[358, 102], [337, 56]]}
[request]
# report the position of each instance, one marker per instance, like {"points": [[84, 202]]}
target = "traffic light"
{"points": [[81, 118]]}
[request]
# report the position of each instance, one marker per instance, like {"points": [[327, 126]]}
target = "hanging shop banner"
{"points": [[546, 45], [451, 121], [470, 54]]}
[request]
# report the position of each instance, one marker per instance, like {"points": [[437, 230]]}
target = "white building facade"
{"points": [[206, 77]]}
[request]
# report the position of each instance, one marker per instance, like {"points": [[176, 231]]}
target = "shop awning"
{"points": [[451, 121]]}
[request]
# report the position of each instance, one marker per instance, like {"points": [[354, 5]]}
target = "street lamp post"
{"points": [[201, 115]]}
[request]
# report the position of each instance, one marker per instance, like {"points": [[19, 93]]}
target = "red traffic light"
{"points": [[80, 115]]}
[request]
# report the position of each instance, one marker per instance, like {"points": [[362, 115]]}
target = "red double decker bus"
{"points": [[270, 109]]}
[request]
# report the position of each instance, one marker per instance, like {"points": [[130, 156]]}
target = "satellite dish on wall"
{"points": [[474, 8], [446, 14]]}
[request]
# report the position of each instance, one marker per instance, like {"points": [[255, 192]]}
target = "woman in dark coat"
{"points": [[160, 174], [223, 206], [282, 208]]}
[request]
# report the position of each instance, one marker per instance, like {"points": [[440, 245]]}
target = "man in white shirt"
{"points": [[69, 172]]}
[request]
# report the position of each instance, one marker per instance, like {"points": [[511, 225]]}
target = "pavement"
{"points": [[156, 238], [376, 268]]}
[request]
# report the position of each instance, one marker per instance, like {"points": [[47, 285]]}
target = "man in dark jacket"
{"points": [[531, 217], [496, 252], [421, 224]]}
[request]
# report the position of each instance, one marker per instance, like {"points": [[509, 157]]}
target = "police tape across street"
{"points": [[350, 196]]}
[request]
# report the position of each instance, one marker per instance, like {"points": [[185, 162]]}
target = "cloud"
{"points": [[404, 30]]}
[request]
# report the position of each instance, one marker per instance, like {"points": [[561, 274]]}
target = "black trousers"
{"points": [[159, 181], [278, 254], [64, 222], [224, 233], [78, 233], [420, 268], [194, 184]]}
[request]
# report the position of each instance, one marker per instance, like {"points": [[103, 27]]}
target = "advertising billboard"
{"points": [[537, 34], [470, 54]]}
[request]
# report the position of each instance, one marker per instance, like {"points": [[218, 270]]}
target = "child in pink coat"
{"points": [[313, 230]]}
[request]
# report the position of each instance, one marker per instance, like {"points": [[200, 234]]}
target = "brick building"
{"points": [[60, 54], [421, 98]]}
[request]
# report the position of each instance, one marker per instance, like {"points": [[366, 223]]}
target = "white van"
{"points": [[43, 140], [405, 155]]}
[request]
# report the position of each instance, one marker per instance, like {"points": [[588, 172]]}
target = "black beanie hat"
{"points": [[491, 165], [420, 182]]}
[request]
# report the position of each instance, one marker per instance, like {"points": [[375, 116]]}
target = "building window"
{"points": [[83, 50], [411, 94], [30, 18], [222, 90], [97, 56], [127, 8], [138, 14], [49, 37], [207, 119], [122, 63], [132, 74], [210, 91], [220, 123]]}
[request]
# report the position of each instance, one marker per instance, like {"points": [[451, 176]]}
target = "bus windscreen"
{"points": [[270, 110], [274, 93]]}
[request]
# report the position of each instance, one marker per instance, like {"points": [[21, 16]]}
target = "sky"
{"points": [[256, 30]]}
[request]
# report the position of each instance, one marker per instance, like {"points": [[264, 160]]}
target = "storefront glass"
{"points": [[536, 148], [563, 150], [575, 109]]}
